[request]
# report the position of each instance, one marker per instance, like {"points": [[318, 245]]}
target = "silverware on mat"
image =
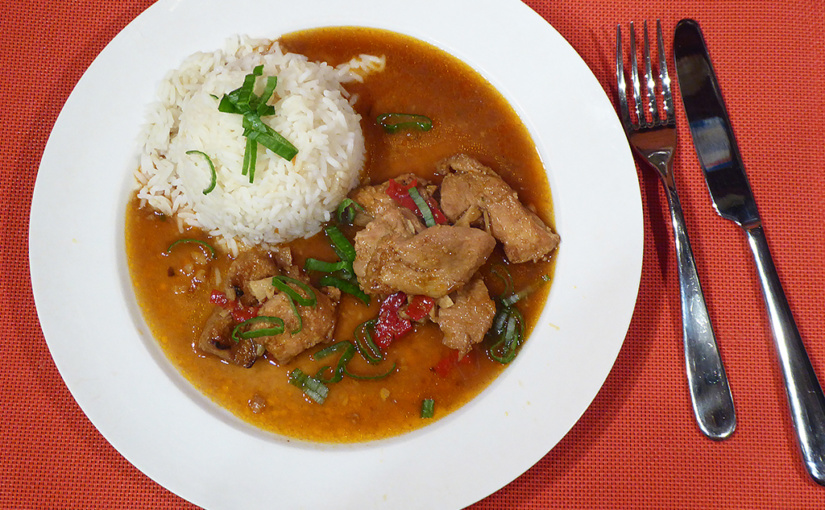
{"points": [[654, 139], [733, 199]]}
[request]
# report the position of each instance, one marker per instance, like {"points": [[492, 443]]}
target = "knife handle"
{"points": [[708, 384], [805, 397]]}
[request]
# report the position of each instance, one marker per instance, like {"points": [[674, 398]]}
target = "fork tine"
{"points": [[634, 78], [620, 80], [663, 76], [651, 81]]}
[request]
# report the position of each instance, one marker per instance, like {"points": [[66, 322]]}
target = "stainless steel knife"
{"points": [[733, 199]]}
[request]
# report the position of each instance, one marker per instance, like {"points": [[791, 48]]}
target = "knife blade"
{"points": [[733, 199]]}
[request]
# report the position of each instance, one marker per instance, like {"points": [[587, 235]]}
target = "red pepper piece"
{"points": [[419, 307], [446, 364], [438, 216], [390, 325], [218, 298], [401, 194], [242, 313]]}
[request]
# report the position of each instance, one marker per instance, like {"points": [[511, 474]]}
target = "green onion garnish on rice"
{"points": [[243, 101], [214, 178]]}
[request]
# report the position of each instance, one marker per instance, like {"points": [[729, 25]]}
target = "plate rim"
{"points": [[385, 451]]}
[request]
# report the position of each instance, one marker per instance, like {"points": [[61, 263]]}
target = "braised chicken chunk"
{"points": [[472, 192], [315, 326], [465, 323], [250, 289]]}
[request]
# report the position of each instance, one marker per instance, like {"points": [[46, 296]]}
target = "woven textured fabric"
{"points": [[637, 445]]}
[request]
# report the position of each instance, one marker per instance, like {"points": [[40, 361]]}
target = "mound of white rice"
{"points": [[288, 199]]}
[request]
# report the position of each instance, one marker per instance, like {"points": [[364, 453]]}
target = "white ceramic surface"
{"points": [[155, 419]]}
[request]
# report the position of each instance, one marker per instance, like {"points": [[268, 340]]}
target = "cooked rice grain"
{"points": [[288, 199]]}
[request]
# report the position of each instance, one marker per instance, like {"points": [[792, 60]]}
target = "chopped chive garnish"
{"points": [[394, 122], [340, 244], [345, 286], [365, 344], [508, 333], [312, 387], [371, 377], [427, 408], [243, 101], [426, 212], [326, 267], [280, 282], [257, 333], [206, 245], [347, 211], [340, 368], [214, 175]]}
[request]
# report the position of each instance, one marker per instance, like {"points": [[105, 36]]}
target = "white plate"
{"points": [[155, 419]]}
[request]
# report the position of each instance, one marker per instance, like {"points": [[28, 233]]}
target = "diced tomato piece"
{"points": [[390, 325], [419, 307]]}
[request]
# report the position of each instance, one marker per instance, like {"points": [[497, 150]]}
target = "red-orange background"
{"points": [[637, 445]]}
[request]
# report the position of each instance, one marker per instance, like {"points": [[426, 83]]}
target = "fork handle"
{"points": [[805, 397], [708, 384]]}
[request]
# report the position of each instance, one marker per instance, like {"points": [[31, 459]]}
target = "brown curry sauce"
{"points": [[469, 116]]}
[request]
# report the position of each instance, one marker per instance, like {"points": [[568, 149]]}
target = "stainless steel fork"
{"points": [[654, 139]]}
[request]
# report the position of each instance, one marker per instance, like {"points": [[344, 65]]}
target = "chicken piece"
{"points": [[465, 323], [378, 204], [433, 263], [216, 338], [248, 267], [472, 189], [317, 323]]}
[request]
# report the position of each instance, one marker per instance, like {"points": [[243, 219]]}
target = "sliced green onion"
{"points": [[394, 122], [426, 212], [206, 245], [370, 377], [340, 244], [251, 147], [504, 274], [312, 387], [510, 335], [277, 330], [427, 408], [274, 141], [365, 344], [264, 109], [340, 369], [243, 101], [280, 282], [347, 211], [214, 178], [345, 286], [326, 267], [518, 296]]}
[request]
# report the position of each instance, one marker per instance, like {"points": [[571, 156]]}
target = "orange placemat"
{"points": [[637, 445]]}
